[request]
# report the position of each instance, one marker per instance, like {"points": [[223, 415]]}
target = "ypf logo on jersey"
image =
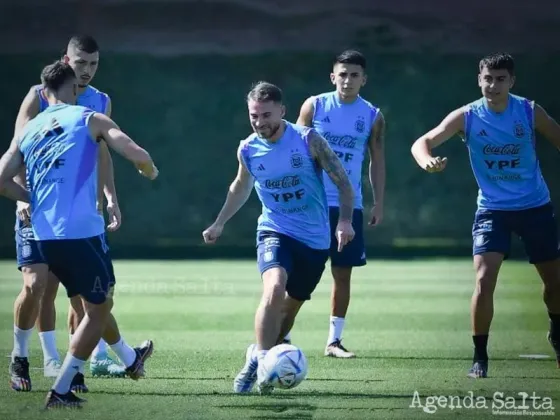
{"points": [[518, 130]]}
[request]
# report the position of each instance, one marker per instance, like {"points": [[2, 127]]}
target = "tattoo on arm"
{"points": [[331, 164], [379, 132], [377, 159]]}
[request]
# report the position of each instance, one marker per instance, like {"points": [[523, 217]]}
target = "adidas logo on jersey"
{"points": [[326, 119], [482, 133], [260, 167]]}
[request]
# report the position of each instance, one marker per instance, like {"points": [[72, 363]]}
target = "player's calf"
{"points": [[268, 318]]}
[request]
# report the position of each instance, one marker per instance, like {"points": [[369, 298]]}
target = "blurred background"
{"points": [[178, 71]]}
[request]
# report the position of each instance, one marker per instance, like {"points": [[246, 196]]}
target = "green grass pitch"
{"points": [[408, 323]]}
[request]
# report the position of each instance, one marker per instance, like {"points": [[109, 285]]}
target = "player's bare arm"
{"points": [[106, 165], [28, 110], [327, 159], [238, 194], [376, 148], [107, 182], [306, 112], [422, 148], [547, 126], [101, 126], [10, 163], [330, 163]]}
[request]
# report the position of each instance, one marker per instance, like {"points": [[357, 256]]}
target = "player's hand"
{"points": [[376, 215], [148, 170], [212, 234], [435, 164], [115, 217], [24, 212], [344, 233]]}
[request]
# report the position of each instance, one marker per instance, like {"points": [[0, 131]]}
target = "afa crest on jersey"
{"points": [[360, 125], [296, 160], [518, 130]]}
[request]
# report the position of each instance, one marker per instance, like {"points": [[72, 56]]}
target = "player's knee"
{"points": [[98, 312], [485, 285], [34, 283], [274, 286], [341, 275]]}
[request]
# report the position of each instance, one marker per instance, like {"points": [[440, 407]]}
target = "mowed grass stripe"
{"points": [[408, 322]]}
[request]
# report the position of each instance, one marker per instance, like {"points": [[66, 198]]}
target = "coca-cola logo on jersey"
{"points": [[341, 141], [507, 149], [286, 182]]}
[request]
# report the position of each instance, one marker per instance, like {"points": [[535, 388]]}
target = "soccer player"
{"points": [[59, 148], [499, 133], [351, 125], [284, 161], [82, 54]]}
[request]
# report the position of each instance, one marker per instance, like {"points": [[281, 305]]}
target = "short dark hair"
{"points": [[85, 43], [351, 57], [56, 74], [498, 61], [265, 92]]}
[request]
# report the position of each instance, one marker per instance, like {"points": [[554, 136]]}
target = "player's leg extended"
{"points": [[132, 358], [289, 312], [100, 364], [26, 308], [46, 322]]}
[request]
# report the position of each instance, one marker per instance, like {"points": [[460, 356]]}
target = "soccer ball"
{"points": [[285, 366]]}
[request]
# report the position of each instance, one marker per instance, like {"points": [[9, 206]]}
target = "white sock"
{"points": [[335, 329], [21, 342], [82, 369], [48, 343], [125, 353], [101, 348], [288, 337], [70, 367]]}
